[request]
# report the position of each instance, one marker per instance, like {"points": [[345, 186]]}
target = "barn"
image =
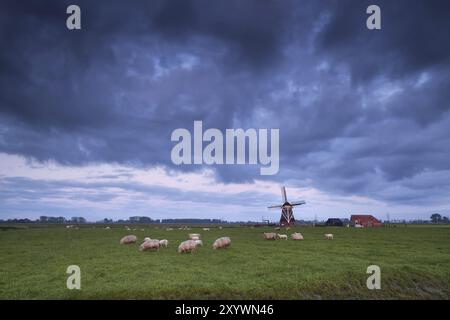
{"points": [[334, 222], [365, 220]]}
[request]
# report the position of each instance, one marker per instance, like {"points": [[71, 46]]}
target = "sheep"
{"points": [[277, 228], [169, 229], [147, 239], [205, 229], [128, 239], [220, 243], [107, 228], [164, 243], [270, 235], [187, 246], [282, 236], [149, 245], [220, 227], [198, 243], [297, 236], [194, 236], [328, 236]]}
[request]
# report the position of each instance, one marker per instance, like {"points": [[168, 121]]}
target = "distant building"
{"points": [[365, 220], [334, 222]]}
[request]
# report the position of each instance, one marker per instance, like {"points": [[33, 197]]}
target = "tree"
{"points": [[436, 217]]}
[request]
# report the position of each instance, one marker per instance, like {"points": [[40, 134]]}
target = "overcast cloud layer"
{"points": [[363, 115]]}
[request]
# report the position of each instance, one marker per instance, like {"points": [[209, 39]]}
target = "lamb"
{"points": [[282, 236], [297, 236], [149, 245], [194, 235], [328, 236], [270, 235], [128, 239], [164, 243], [187, 246], [198, 243], [223, 242]]}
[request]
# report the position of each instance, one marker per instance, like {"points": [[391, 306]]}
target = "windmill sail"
{"points": [[283, 194]]}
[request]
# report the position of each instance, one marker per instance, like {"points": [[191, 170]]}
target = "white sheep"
{"points": [[147, 239], [221, 243], [328, 236], [187, 246], [297, 236], [205, 229], [270, 235], [149, 245], [164, 243], [199, 243], [194, 236], [128, 239], [282, 236]]}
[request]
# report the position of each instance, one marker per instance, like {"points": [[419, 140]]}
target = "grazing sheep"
{"points": [[223, 242], [149, 245], [297, 236], [187, 246], [328, 236], [69, 227], [128, 239], [282, 236], [107, 228], [194, 235], [164, 243], [277, 228], [147, 239], [199, 243], [270, 235], [169, 229], [220, 228], [205, 229]]}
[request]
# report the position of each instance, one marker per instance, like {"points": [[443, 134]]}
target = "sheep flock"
{"points": [[194, 242]]}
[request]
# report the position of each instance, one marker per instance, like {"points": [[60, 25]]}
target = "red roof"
{"points": [[365, 219]]}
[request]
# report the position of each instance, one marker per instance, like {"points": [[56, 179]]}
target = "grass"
{"points": [[414, 262]]}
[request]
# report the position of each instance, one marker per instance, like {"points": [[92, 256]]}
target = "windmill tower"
{"points": [[287, 216]]}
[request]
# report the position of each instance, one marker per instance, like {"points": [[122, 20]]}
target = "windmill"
{"points": [[287, 217]]}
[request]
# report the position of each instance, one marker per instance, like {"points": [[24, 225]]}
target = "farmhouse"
{"points": [[365, 220]]}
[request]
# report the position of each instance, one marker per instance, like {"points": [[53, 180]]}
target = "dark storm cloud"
{"points": [[413, 37], [358, 110]]}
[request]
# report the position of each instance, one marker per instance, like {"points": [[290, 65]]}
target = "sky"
{"points": [[86, 115]]}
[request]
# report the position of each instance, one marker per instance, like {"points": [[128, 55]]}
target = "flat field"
{"points": [[414, 262]]}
